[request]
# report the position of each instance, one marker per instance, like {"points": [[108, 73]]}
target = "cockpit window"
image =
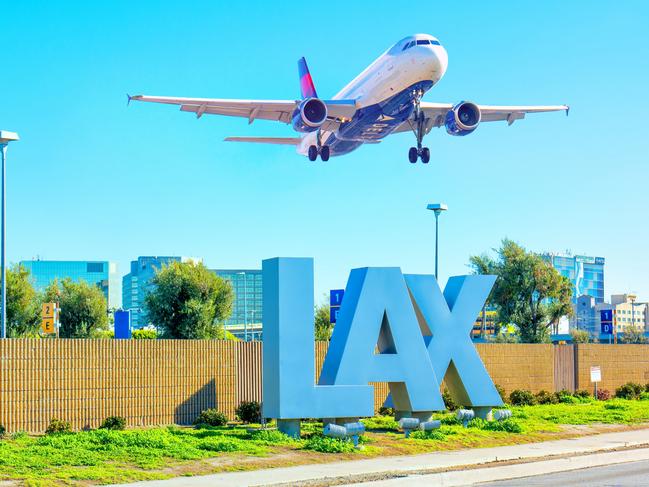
{"points": [[435, 43], [421, 42], [408, 46]]}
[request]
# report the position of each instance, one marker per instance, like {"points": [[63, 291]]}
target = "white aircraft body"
{"points": [[386, 98]]}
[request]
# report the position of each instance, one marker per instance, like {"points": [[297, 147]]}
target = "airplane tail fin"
{"points": [[306, 83]]}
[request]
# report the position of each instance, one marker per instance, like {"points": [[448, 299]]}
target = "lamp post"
{"points": [[437, 208], [5, 138], [245, 306]]}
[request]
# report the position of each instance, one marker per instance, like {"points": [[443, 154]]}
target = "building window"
{"points": [[95, 267]]}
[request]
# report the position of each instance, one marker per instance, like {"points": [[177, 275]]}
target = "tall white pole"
{"points": [[4, 234], [245, 308]]}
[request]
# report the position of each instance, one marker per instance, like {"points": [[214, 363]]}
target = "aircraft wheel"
{"points": [[324, 153], [412, 155], [313, 153], [425, 155]]}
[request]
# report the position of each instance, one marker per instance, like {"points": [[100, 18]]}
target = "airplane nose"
{"points": [[439, 60]]}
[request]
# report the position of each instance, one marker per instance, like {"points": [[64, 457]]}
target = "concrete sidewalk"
{"points": [[387, 467]]}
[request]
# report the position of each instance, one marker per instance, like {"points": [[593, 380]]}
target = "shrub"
{"points": [[2, 431], [58, 426], [520, 397], [383, 411], [428, 435], [630, 390], [644, 396], [509, 425], [271, 437], [117, 423], [501, 392], [583, 393], [603, 394], [545, 397], [325, 444], [449, 402], [211, 417], [566, 397], [144, 334], [249, 412]]}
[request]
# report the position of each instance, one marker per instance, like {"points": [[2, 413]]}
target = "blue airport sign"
{"points": [[607, 328], [122, 324], [606, 315], [333, 314], [336, 297]]}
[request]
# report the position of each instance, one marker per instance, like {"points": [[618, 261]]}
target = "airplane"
{"points": [[386, 98]]}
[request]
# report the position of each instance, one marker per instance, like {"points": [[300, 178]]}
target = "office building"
{"points": [[585, 273], [246, 319], [137, 283], [102, 274], [627, 312]]}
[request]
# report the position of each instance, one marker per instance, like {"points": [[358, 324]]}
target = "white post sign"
{"points": [[595, 373], [595, 376]]}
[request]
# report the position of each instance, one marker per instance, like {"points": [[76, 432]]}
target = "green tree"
{"points": [[323, 327], [83, 308], [144, 334], [189, 301], [529, 292], [579, 336], [23, 304], [634, 335]]}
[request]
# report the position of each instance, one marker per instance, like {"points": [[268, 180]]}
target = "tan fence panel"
{"points": [[564, 367], [619, 364], [83, 381], [519, 366]]}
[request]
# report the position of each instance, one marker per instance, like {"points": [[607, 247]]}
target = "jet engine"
{"points": [[309, 115], [462, 119]]}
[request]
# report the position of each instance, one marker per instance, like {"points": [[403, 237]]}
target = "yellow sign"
{"points": [[48, 325], [48, 310]]}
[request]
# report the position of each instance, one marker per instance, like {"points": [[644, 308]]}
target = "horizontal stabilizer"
{"points": [[266, 140]]}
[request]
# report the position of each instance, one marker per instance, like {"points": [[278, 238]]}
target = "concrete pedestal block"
{"points": [[290, 427], [483, 412]]}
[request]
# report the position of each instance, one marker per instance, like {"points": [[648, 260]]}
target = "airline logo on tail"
{"points": [[306, 83]]}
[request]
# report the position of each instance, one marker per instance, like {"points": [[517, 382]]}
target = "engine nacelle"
{"points": [[462, 119], [309, 115]]}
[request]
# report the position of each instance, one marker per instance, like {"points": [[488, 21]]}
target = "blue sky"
{"points": [[93, 179]]}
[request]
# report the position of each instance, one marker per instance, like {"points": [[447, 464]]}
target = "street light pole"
{"points": [[245, 307], [5, 138], [437, 208]]}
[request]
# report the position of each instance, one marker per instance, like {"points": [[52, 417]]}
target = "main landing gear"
{"points": [[313, 153], [418, 126], [314, 150]]}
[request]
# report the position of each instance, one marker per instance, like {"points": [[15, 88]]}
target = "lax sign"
{"points": [[394, 328]]}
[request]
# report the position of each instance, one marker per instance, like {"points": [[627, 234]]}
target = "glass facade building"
{"points": [[247, 306], [585, 273], [103, 274], [137, 283]]}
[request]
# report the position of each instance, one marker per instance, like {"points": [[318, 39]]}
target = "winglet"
{"points": [[307, 87], [567, 110], [128, 102]]}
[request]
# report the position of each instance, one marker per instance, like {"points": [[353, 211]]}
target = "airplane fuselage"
{"points": [[385, 93]]}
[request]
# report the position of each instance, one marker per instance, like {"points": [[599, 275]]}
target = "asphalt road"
{"points": [[623, 475]]}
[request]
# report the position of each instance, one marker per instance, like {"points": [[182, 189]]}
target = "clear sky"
{"points": [[93, 179]]}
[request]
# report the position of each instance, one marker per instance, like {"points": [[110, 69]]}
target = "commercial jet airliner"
{"points": [[384, 99]]}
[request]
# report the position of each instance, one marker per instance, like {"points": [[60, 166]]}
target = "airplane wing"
{"points": [[436, 113], [266, 140], [278, 110]]}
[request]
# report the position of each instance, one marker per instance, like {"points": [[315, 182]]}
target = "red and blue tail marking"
{"points": [[306, 83]]}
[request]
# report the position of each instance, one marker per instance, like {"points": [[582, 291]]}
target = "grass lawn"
{"points": [[105, 456]]}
